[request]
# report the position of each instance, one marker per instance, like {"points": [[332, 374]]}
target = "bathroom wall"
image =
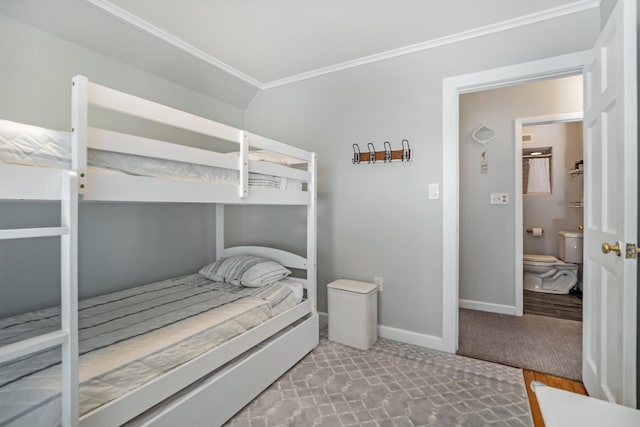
{"points": [[487, 232], [552, 211]]}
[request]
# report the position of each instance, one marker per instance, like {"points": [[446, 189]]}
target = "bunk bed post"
{"points": [[79, 107], [312, 232], [69, 298], [219, 230], [244, 164]]}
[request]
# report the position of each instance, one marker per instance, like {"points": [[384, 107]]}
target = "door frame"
{"points": [[518, 124], [452, 88]]}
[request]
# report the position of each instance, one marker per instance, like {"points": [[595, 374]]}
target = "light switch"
{"points": [[499, 199], [434, 191]]}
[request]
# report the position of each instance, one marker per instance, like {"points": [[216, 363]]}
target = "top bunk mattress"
{"points": [[127, 339], [28, 145]]}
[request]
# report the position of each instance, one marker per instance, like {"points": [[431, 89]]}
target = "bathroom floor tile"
{"points": [[553, 305]]}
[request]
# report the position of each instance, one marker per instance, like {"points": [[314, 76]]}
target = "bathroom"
{"points": [[552, 202]]}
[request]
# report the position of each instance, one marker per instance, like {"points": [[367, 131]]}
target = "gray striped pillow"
{"points": [[246, 270]]}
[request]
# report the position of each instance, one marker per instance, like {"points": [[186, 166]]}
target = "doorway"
{"points": [[491, 177], [453, 87], [551, 216], [610, 233]]}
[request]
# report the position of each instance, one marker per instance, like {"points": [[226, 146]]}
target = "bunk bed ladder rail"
{"points": [[312, 231], [67, 336], [244, 164]]}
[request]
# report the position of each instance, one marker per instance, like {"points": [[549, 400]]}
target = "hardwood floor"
{"points": [[567, 306], [550, 380]]}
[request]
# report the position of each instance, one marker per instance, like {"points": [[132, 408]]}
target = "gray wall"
{"points": [[376, 220], [606, 7], [120, 244], [488, 275], [552, 211]]}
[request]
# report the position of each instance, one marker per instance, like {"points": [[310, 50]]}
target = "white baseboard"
{"points": [[409, 337], [487, 306], [422, 340]]}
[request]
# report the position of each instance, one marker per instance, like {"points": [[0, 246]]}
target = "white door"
{"points": [[610, 132]]}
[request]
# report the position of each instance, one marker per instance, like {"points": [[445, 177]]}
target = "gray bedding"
{"points": [[127, 339]]}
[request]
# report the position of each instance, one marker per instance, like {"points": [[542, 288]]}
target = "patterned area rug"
{"points": [[392, 384]]}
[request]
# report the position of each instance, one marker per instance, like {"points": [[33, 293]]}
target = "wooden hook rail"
{"points": [[387, 155]]}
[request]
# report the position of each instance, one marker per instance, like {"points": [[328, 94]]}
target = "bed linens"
{"points": [[128, 338], [35, 146]]}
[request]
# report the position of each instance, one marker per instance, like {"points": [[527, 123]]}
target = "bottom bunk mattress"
{"points": [[127, 339]]}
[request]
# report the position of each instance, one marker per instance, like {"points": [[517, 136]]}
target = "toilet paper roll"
{"points": [[537, 231]]}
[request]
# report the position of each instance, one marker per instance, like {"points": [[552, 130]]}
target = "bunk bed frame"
{"points": [[227, 377]]}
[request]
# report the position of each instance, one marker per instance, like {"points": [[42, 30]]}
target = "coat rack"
{"points": [[388, 155]]}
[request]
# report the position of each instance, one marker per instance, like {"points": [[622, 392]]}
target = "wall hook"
{"points": [[387, 155], [406, 151], [356, 154], [372, 152], [387, 152]]}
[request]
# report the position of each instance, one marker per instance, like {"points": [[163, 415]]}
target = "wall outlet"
{"points": [[378, 281], [499, 199]]}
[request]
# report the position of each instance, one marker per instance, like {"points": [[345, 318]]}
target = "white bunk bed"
{"points": [[211, 387]]}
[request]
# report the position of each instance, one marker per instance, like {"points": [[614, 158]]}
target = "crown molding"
{"points": [[147, 27], [497, 27], [533, 18]]}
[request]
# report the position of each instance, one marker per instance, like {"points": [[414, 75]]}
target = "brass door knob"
{"points": [[606, 248]]}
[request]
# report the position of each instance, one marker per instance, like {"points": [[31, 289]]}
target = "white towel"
{"points": [[539, 182]]}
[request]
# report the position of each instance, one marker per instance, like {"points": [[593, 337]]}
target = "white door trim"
{"points": [[576, 116], [452, 87]]}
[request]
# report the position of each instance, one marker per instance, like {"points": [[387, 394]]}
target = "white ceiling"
{"points": [[231, 48], [275, 39]]}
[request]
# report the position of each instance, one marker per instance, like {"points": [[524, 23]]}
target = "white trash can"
{"points": [[353, 313]]}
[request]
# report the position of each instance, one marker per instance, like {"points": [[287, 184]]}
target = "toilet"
{"points": [[546, 273]]}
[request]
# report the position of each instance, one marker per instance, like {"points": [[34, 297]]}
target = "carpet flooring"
{"points": [[567, 306], [390, 385], [538, 343]]}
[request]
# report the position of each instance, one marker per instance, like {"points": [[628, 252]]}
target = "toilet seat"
{"points": [[547, 259], [534, 260]]}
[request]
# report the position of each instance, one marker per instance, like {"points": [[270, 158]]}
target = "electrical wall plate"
{"points": [[499, 199], [434, 191]]}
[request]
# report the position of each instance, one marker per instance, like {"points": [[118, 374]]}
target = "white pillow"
{"points": [[246, 270]]}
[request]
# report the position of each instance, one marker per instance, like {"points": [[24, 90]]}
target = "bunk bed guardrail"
{"points": [[92, 186]]}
